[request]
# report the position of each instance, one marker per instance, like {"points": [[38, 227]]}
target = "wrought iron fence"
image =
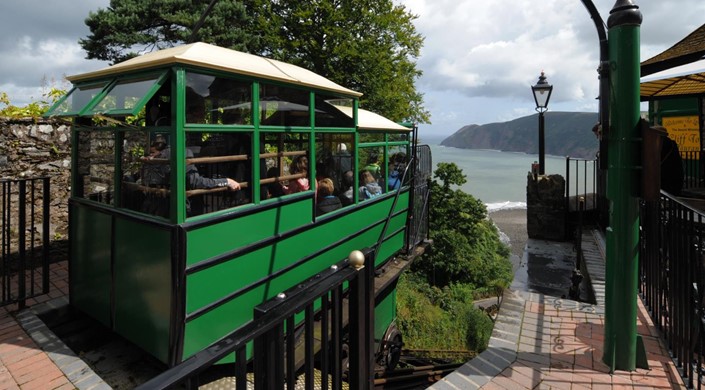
{"points": [[692, 170], [672, 279], [24, 227], [580, 181], [418, 215], [277, 337]]}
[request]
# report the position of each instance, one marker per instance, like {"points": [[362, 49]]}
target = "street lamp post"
{"points": [[542, 93]]}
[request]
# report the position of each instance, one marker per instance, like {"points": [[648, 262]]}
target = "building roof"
{"points": [[218, 58], [684, 80], [689, 49]]}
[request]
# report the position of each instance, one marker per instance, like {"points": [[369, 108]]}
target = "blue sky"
{"points": [[479, 59]]}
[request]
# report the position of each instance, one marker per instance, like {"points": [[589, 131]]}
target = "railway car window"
{"points": [[284, 165], [327, 115], [373, 179], [145, 176], [76, 100], [95, 166], [281, 106], [158, 109], [218, 100], [334, 155], [398, 137], [127, 96], [212, 159], [371, 137]]}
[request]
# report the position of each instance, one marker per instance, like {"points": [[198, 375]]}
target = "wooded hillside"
{"points": [[566, 134]]}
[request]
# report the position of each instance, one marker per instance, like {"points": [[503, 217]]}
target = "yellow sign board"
{"points": [[684, 130]]}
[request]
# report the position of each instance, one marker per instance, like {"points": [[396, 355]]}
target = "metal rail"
{"points": [[418, 370], [672, 279], [272, 331], [24, 231]]}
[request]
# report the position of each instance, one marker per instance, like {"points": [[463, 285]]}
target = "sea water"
{"points": [[496, 178]]}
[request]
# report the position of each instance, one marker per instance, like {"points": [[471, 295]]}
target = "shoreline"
{"points": [[512, 226]]}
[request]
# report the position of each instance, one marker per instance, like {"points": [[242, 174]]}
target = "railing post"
{"points": [[22, 229], [577, 275], [46, 217], [567, 197], [4, 250], [362, 330], [268, 359]]}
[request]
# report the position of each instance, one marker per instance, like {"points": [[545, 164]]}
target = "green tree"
{"points": [[466, 246], [131, 27], [34, 109], [368, 46]]}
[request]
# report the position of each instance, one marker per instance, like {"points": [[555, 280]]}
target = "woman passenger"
{"points": [[298, 166]]}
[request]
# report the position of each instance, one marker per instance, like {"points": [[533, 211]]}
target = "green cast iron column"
{"points": [[620, 345]]}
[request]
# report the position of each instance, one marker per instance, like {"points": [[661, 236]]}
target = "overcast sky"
{"points": [[479, 59]]}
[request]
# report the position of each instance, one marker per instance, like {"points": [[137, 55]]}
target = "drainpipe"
{"points": [[604, 71], [620, 345]]}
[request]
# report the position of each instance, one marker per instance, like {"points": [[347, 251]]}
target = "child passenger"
{"points": [[326, 201], [369, 187]]}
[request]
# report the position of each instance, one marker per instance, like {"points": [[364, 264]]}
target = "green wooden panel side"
{"points": [[143, 286], [216, 239], [385, 313], [214, 283], [90, 262], [215, 324]]}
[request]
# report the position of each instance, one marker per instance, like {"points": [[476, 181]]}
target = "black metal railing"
{"points": [[284, 349], [24, 227], [418, 215], [692, 170], [580, 181], [672, 279]]}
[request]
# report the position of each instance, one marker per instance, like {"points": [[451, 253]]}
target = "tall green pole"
{"points": [[620, 347]]}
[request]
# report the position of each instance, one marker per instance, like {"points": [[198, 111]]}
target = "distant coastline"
{"points": [[492, 207], [498, 151], [566, 134]]}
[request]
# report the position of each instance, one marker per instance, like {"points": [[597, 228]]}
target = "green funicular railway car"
{"points": [[195, 177]]}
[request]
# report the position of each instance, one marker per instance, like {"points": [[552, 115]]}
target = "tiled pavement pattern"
{"points": [[23, 362], [543, 342], [538, 342]]}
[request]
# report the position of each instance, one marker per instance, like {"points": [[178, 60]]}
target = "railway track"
{"points": [[417, 370]]}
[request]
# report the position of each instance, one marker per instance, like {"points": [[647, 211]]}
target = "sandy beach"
{"points": [[512, 223]]}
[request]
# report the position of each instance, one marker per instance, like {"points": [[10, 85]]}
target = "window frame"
{"points": [[159, 80]]}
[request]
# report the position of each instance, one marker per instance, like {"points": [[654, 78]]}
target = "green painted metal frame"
{"points": [[620, 344], [184, 246]]}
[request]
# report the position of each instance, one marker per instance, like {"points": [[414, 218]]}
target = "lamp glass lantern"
{"points": [[542, 93]]}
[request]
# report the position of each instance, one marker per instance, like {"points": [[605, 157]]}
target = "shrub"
{"points": [[434, 318]]}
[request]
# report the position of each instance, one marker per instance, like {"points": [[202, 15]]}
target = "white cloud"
{"points": [[479, 59], [40, 45], [492, 52]]}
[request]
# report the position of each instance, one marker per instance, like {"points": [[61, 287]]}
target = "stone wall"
{"points": [[29, 149], [545, 207]]}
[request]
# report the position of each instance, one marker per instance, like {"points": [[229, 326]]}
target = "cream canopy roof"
{"points": [[218, 58], [368, 120]]}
